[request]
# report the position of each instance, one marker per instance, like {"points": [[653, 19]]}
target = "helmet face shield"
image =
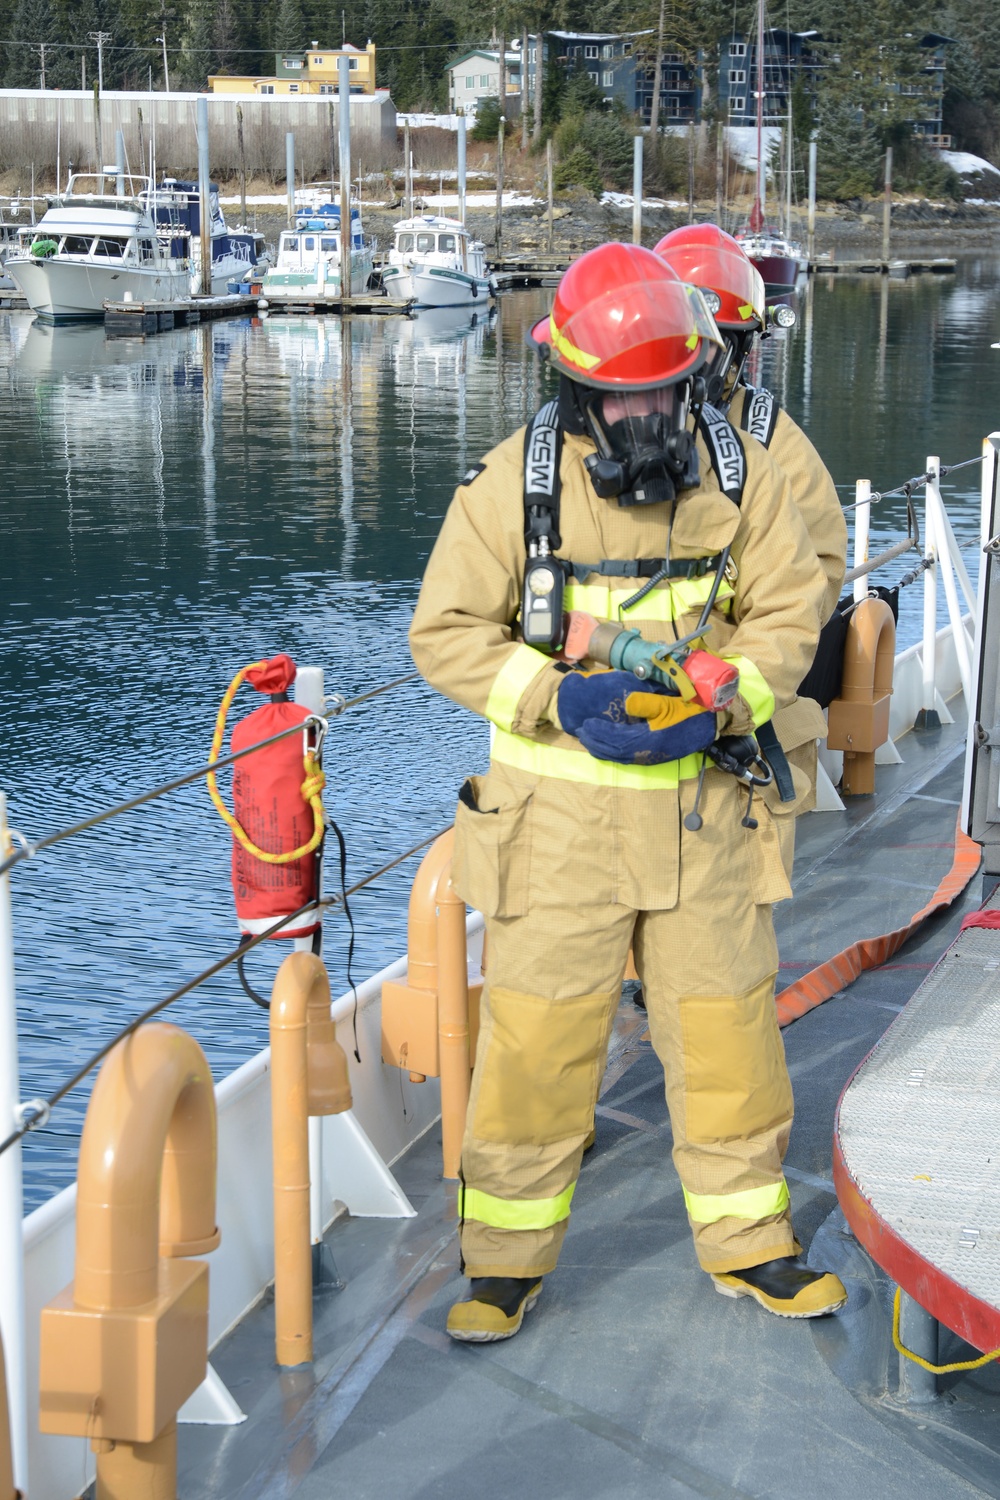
{"points": [[622, 320], [720, 268]]}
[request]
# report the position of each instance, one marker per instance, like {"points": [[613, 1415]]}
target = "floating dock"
{"points": [[131, 318], [938, 265], [343, 307], [534, 269]]}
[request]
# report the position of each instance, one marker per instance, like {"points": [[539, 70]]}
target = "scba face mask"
{"points": [[645, 454]]}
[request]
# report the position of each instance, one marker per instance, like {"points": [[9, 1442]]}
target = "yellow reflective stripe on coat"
{"points": [[519, 1213], [577, 765], [666, 602], [521, 668], [753, 1204], [753, 689]]}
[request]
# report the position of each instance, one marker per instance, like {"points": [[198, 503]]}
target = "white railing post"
{"points": [[928, 717], [862, 525], [958, 634], [12, 1321]]}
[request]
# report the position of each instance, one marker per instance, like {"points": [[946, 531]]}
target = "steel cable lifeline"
{"points": [[42, 1108], [28, 849], [911, 484]]}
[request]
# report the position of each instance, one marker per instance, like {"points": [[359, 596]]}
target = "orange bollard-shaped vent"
{"points": [[126, 1344]]}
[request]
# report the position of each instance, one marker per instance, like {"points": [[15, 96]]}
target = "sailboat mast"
{"points": [[758, 213]]}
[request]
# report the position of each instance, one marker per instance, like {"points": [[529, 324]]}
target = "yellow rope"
{"points": [[311, 789], [964, 1364]]}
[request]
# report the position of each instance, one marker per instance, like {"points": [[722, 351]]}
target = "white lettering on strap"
{"points": [[541, 459], [726, 451]]}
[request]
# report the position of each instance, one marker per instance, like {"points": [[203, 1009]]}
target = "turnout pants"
{"points": [[554, 976]]}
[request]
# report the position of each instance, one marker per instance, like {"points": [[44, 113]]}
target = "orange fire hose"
{"points": [[831, 977]]}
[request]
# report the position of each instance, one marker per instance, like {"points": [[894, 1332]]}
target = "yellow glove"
{"points": [[660, 711]]}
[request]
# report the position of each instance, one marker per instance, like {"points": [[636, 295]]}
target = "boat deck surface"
{"points": [[633, 1378]]}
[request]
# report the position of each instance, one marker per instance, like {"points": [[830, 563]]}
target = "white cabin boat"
{"points": [[308, 264], [92, 247], [435, 263]]}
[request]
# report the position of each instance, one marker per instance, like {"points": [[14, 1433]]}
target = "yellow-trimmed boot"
{"points": [[785, 1287], [495, 1310]]}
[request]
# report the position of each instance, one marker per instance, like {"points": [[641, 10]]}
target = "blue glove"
{"points": [[655, 729], [596, 695]]}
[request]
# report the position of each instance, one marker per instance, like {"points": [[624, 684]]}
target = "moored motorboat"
{"points": [[309, 260], [236, 254], [92, 247], [434, 262]]}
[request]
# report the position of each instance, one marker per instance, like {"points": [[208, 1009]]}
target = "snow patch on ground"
{"points": [[965, 164], [625, 200]]}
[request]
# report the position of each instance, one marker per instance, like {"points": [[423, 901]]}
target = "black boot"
{"points": [[495, 1309], [786, 1287]]}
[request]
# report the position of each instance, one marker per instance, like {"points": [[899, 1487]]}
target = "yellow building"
{"points": [[312, 72]]}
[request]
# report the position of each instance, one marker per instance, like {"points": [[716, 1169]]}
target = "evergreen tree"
{"points": [[290, 28], [32, 24], [848, 153], [197, 59]]}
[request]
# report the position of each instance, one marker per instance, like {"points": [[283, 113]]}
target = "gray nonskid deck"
{"points": [[632, 1378]]}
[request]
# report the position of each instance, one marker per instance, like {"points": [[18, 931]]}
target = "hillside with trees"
{"points": [[869, 78]]}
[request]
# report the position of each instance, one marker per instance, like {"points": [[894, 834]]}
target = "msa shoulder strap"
{"points": [[543, 441], [725, 451], [760, 414]]}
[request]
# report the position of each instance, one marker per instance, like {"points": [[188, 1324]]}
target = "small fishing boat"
{"points": [[435, 263], [308, 264], [92, 247], [236, 254]]}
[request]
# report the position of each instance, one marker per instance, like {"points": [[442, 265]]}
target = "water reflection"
{"points": [[175, 507]]}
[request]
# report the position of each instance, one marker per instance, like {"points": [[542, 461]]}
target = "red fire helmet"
{"points": [[623, 320], [711, 259]]}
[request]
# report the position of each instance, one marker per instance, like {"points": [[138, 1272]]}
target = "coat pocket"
{"points": [[768, 880], [492, 857]]}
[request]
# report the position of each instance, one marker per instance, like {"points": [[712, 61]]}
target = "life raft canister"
{"points": [[279, 822]]}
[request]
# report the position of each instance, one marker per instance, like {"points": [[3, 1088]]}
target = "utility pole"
{"points": [[166, 70], [41, 50], [887, 208], [100, 37], [524, 88]]}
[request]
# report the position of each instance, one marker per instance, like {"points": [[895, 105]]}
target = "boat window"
{"points": [[425, 244], [309, 242], [446, 242], [404, 242], [145, 249], [77, 244], [330, 242], [291, 241], [113, 248]]}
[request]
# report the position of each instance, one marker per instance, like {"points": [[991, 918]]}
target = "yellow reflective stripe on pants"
{"points": [[753, 1203], [667, 601], [521, 668], [577, 765], [519, 1213], [753, 689]]}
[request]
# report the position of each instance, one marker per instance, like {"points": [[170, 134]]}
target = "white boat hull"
{"points": [[321, 284], [435, 286], [63, 289]]}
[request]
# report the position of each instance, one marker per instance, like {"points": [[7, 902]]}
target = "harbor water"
{"points": [[175, 508]]}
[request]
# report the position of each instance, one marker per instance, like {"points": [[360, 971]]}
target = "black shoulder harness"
{"points": [[726, 452], [543, 442], [760, 414]]}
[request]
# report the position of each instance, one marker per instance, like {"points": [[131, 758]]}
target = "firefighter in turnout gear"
{"points": [[714, 261], [604, 821]]}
